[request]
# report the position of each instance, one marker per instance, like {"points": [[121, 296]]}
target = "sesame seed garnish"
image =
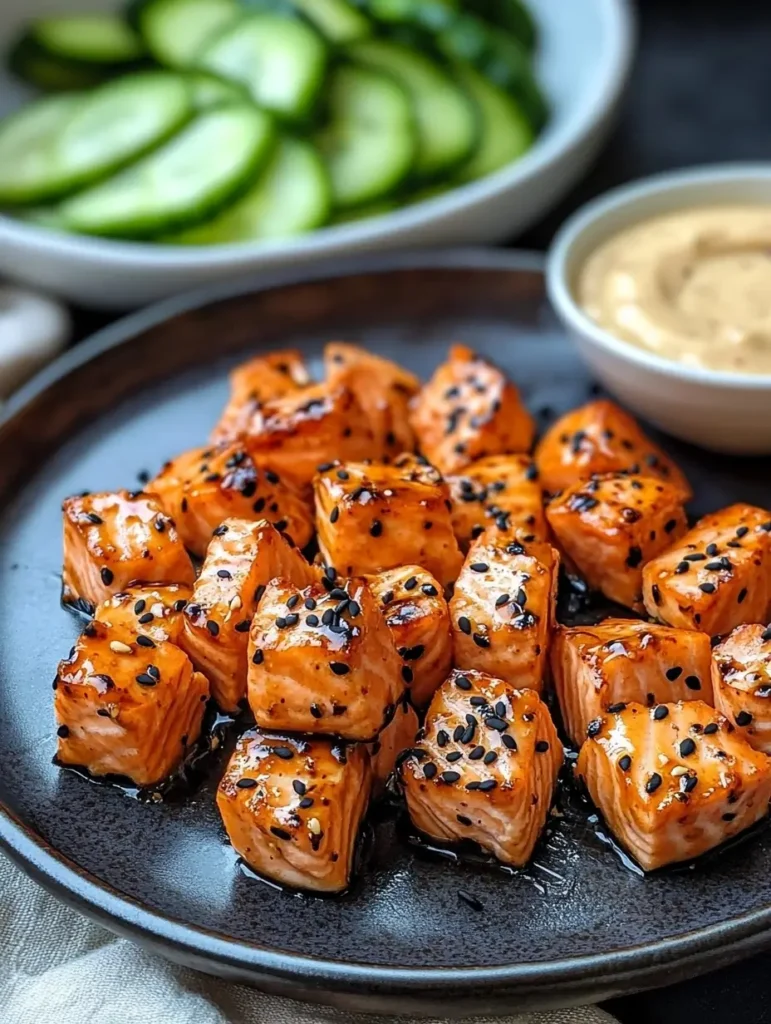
{"points": [[463, 683], [501, 600], [429, 590], [481, 640], [312, 620], [259, 592], [688, 782], [493, 722], [710, 729], [143, 620], [742, 531], [316, 711], [213, 627], [615, 709], [741, 595], [407, 674], [656, 594], [442, 738], [145, 679], [487, 785], [334, 515], [292, 601], [541, 746], [454, 755], [464, 625], [660, 712], [625, 763], [712, 550], [430, 770], [463, 819], [107, 576], [140, 606], [280, 833], [411, 583], [306, 802], [490, 757], [246, 783], [458, 732], [634, 557], [376, 528], [682, 567], [339, 668], [330, 573], [594, 727], [117, 647], [354, 609], [693, 682], [743, 718], [653, 783], [477, 701], [509, 741], [63, 732], [258, 657], [674, 673], [449, 777], [285, 753], [696, 556], [687, 747]]}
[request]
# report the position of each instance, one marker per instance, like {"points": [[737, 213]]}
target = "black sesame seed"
{"points": [[487, 785], [468, 733], [246, 783], [144, 619], [712, 550], [464, 625], [653, 783], [477, 701], [742, 531], [454, 755], [430, 770], [710, 729], [330, 573], [458, 732], [634, 557], [493, 722], [476, 753], [316, 711], [693, 682], [541, 746], [429, 590], [688, 782], [285, 753], [257, 658], [63, 732], [509, 741], [682, 567], [442, 738], [741, 595], [656, 594], [145, 679], [697, 556], [328, 617], [743, 718], [463, 683], [687, 747], [259, 592], [312, 620], [280, 833], [411, 583], [729, 816], [299, 787], [625, 763], [107, 576], [212, 627], [293, 619], [480, 640], [306, 802], [145, 641], [224, 574], [292, 601], [615, 709], [674, 673], [334, 515], [594, 727], [490, 757], [339, 668], [463, 819], [94, 518], [660, 712], [407, 674], [501, 600], [140, 606], [479, 567]]}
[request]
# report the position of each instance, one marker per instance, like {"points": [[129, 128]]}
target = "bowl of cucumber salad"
{"points": [[149, 146]]}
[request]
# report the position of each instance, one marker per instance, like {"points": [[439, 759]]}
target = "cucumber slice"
{"points": [[500, 58], [369, 143], [290, 196], [428, 14], [101, 39], [377, 209], [446, 119], [511, 15], [280, 60], [337, 20], [187, 180], [31, 64], [176, 30], [27, 141], [210, 91], [506, 131]]}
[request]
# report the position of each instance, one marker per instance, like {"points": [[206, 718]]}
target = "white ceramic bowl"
{"points": [[584, 63], [727, 412]]}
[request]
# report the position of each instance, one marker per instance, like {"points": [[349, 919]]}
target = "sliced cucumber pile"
{"points": [[204, 122], [178, 183], [370, 142], [280, 60]]}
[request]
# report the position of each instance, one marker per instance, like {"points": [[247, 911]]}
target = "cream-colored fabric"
{"points": [[56, 967]]}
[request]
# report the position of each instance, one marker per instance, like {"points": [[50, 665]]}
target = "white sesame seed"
{"points": [[118, 647], [314, 826], [679, 770], [663, 759], [236, 602]]}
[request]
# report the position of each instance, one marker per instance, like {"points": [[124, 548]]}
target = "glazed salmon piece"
{"points": [[383, 389], [126, 705], [268, 376], [741, 679], [156, 612], [502, 489], [322, 661], [302, 431], [487, 767], [610, 526], [717, 576], [397, 736], [601, 438], [417, 615], [503, 610], [292, 807], [203, 487], [622, 661], [372, 517], [673, 781], [469, 410], [116, 538], [243, 557]]}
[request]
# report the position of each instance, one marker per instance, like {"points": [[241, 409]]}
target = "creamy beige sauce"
{"points": [[694, 287]]}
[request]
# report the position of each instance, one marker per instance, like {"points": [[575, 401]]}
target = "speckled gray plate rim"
{"points": [[69, 837]]}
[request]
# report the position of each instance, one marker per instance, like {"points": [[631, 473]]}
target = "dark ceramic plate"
{"points": [[576, 925]]}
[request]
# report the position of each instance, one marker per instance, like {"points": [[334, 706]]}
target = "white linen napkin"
{"points": [[57, 967]]}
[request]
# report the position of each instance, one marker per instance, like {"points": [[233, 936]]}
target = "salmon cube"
{"points": [[395, 737], [601, 438], [292, 808], [146, 610], [486, 768], [717, 576], [503, 610], [243, 557], [372, 517], [417, 615], [741, 679], [322, 661], [116, 538], [267, 376], [203, 487], [469, 410], [502, 489], [383, 390], [622, 661], [302, 431], [610, 526], [673, 781], [126, 705]]}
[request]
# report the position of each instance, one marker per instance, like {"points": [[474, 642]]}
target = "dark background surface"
{"points": [[700, 92]]}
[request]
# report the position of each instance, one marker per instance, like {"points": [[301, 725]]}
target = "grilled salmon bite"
{"points": [[260, 379], [243, 557], [673, 781], [383, 390], [500, 488], [126, 705], [622, 660], [116, 538], [156, 612], [372, 517], [397, 736], [292, 807], [469, 410], [486, 768], [417, 615], [610, 526], [741, 679], [323, 661], [601, 438], [503, 609], [203, 487], [717, 576], [302, 431]]}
